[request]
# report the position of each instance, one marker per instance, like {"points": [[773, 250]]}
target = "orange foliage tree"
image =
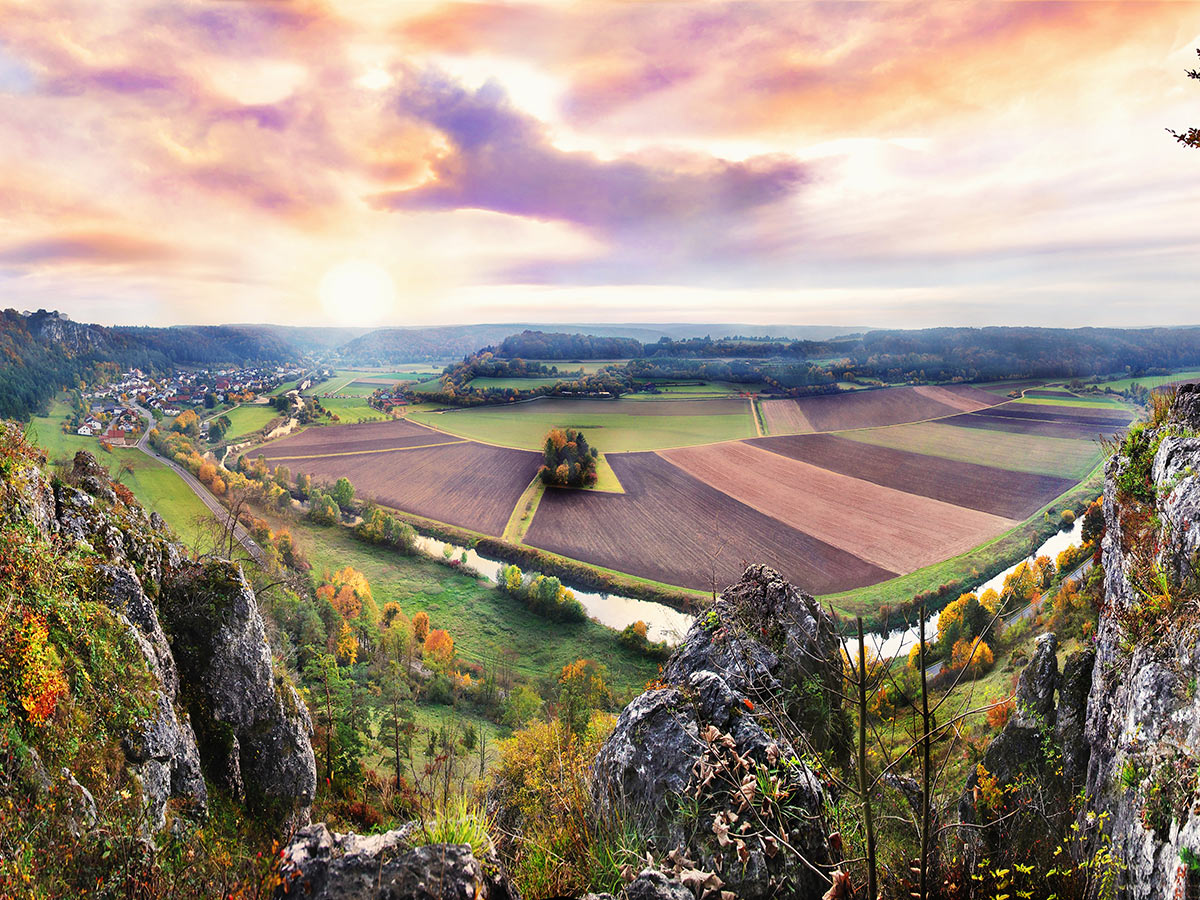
{"points": [[439, 649]]}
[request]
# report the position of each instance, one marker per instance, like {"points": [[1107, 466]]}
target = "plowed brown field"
{"points": [[890, 528], [673, 528], [466, 484], [345, 439], [869, 409], [1012, 495]]}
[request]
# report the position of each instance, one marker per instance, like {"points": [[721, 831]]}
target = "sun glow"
{"points": [[357, 292]]}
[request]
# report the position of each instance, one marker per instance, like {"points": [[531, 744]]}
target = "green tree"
{"points": [[581, 690], [343, 493], [396, 726], [521, 706]]}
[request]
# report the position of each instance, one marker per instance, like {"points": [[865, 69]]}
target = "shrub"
{"points": [[541, 787]]}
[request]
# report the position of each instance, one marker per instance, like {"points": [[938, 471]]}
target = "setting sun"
{"points": [[357, 292]]}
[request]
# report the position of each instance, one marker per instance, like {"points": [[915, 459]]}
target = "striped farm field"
{"points": [[1039, 427], [1058, 412], [889, 528], [1001, 492], [870, 409], [1065, 457], [843, 493], [673, 528]]}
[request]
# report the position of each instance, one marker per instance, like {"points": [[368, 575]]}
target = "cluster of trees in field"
{"points": [[567, 460], [543, 345]]}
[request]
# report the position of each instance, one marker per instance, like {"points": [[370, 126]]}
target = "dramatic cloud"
{"points": [[887, 163], [499, 159]]}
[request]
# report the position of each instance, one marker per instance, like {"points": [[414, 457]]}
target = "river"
{"points": [[666, 624], [613, 610]]}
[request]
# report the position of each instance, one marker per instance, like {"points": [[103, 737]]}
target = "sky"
{"points": [[363, 162]]}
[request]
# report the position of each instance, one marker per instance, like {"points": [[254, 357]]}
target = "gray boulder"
{"points": [[324, 865], [763, 652], [253, 728]]}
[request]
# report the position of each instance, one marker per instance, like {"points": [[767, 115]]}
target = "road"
{"points": [[221, 513]]}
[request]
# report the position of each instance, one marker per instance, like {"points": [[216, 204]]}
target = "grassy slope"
{"points": [[353, 409], [516, 384], [1152, 381], [482, 621], [524, 426], [156, 486]]}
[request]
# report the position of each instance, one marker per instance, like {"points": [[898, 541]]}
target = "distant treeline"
{"points": [[932, 354], [540, 345]]}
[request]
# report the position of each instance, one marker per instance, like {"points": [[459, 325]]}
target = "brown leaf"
{"points": [[841, 889]]}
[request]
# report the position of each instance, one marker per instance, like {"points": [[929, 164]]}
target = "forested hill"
{"points": [[540, 345], [941, 354], [944, 354], [213, 344], [43, 352]]}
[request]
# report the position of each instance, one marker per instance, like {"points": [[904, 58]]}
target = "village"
{"points": [[111, 412]]}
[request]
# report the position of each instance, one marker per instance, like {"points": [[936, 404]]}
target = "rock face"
{"points": [[161, 750], [323, 865], [140, 576], [763, 652], [1142, 724], [254, 729], [1020, 748]]}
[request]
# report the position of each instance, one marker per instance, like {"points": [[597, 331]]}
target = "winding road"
{"points": [[222, 514]]}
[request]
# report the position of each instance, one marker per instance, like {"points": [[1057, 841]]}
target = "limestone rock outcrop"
{"points": [[253, 727], [144, 579], [764, 653], [1143, 710], [324, 865]]}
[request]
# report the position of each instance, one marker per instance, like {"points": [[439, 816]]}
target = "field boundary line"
{"points": [[522, 515], [365, 452]]}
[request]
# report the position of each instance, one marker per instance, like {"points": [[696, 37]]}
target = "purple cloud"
{"points": [[98, 248], [502, 160]]}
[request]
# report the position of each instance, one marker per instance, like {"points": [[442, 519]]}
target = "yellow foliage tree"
{"points": [[421, 625], [347, 645], [977, 656]]}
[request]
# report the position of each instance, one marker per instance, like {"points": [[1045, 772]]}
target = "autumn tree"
{"points": [[581, 690], [421, 625], [439, 649], [567, 460]]}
